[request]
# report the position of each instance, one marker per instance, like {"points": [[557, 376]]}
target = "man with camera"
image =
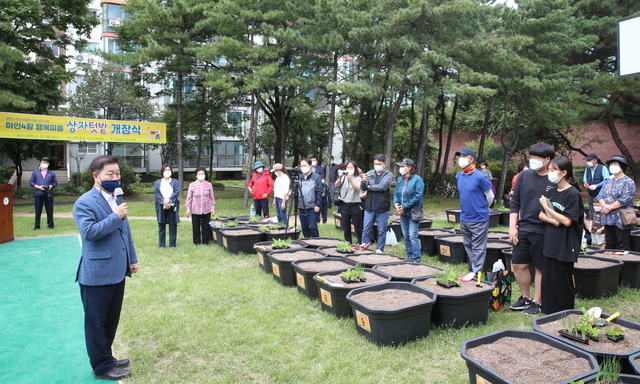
{"points": [[43, 180], [376, 184]]}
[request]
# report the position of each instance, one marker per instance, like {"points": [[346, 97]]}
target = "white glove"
{"points": [[592, 187]]}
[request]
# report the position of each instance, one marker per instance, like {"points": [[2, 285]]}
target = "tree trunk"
{"points": [[508, 150], [332, 121], [485, 129], [436, 171], [179, 133], [611, 123], [391, 125], [251, 144], [413, 126], [422, 141], [449, 137], [358, 130]]}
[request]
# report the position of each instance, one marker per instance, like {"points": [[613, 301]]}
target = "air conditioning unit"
{"points": [[84, 58], [115, 23]]}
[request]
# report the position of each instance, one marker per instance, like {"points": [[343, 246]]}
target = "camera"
{"points": [[295, 174]]}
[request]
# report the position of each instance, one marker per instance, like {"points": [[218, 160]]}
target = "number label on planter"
{"points": [[445, 250], [452, 218], [260, 259], [215, 235], [481, 380], [363, 321], [300, 279], [338, 222], [224, 241], [326, 297], [275, 268]]}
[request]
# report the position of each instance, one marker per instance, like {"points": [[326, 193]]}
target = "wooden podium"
{"points": [[6, 213]]}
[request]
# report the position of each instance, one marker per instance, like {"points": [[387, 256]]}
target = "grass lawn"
{"points": [[201, 315]]}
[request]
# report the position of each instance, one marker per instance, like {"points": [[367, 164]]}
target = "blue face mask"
{"points": [[110, 185]]}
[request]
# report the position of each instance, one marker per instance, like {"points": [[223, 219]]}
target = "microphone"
{"points": [[118, 192]]}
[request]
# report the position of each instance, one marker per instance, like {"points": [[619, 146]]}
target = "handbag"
{"points": [[629, 216], [338, 202], [417, 214]]}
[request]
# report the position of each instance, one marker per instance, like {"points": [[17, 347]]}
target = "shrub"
{"points": [[128, 179], [6, 172]]}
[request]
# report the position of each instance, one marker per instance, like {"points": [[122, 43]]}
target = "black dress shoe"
{"points": [[124, 363], [36, 228], [115, 374]]}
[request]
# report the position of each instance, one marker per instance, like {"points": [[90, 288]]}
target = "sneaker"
{"points": [[522, 303], [378, 250], [534, 309], [467, 278]]}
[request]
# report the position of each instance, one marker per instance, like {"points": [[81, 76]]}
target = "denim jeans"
{"points": [[262, 207], [281, 213], [381, 219], [162, 234], [309, 223], [410, 234]]}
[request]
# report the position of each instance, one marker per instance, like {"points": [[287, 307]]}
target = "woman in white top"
{"points": [[166, 192], [280, 192], [348, 186]]}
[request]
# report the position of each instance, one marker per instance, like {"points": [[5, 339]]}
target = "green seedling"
{"points": [[280, 244], [344, 247], [448, 278], [609, 372], [614, 331], [255, 219], [231, 224], [354, 275]]}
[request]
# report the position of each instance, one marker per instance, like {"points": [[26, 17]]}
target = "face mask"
{"points": [[110, 185], [553, 177], [167, 174], [259, 170], [589, 164], [614, 169], [350, 171], [200, 177], [463, 162], [314, 163], [304, 169], [597, 209], [378, 168], [44, 166], [535, 164], [403, 170], [483, 166]]}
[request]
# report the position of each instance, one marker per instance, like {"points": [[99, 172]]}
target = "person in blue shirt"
{"points": [[408, 195], [43, 181], [475, 197], [594, 177]]}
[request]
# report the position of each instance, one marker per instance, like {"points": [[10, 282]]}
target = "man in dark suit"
{"points": [[43, 180], [108, 255]]}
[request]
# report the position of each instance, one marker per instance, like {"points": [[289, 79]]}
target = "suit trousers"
{"points": [[102, 305], [48, 206]]}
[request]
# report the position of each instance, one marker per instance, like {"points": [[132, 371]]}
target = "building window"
{"points": [[88, 148], [112, 17], [234, 119], [109, 45], [53, 47], [130, 153]]}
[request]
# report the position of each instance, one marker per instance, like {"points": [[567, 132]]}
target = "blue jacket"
{"points": [[107, 245], [311, 189], [37, 179], [409, 194], [159, 199]]}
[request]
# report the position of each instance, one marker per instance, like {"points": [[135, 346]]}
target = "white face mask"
{"points": [[403, 170], [463, 162], [614, 169], [259, 170], [553, 177], [200, 177], [304, 169], [350, 171], [167, 174], [314, 163], [597, 209], [378, 168], [535, 164], [589, 164], [44, 166], [483, 166]]}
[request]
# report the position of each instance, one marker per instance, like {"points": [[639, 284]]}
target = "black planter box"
{"points": [[596, 283], [509, 267], [263, 259], [505, 218], [396, 228], [499, 235], [315, 246], [427, 240], [393, 327], [392, 259], [495, 254], [292, 234], [479, 373], [304, 277], [424, 224], [635, 241], [449, 251], [241, 243], [283, 269], [337, 219], [494, 218], [634, 361], [624, 379], [403, 278], [453, 215], [333, 298], [591, 348], [630, 272], [457, 311], [217, 235]]}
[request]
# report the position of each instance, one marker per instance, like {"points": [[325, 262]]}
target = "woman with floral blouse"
{"points": [[200, 206]]}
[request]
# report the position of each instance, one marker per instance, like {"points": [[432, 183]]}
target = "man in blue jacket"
{"points": [[108, 255], [310, 199], [376, 184], [43, 181]]}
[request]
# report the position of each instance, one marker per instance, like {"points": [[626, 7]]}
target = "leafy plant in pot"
{"points": [[280, 244], [614, 333], [353, 275], [344, 247], [448, 279]]}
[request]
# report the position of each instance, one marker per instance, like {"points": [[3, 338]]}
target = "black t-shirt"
{"points": [[525, 200], [562, 242]]}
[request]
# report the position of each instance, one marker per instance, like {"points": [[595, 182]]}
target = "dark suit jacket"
{"points": [[36, 179], [107, 245]]}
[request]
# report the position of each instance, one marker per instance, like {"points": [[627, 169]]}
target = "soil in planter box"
{"points": [[631, 337], [588, 263], [494, 245], [434, 233], [373, 258], [291, 246], [334, 251], [528, 361], [408, 270], [463, 289], [298, 255], [325, 265], [321, 242], [455, 239], [240, 232], [390, 299], [371, 278], [610, 255], [497, 235]]}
